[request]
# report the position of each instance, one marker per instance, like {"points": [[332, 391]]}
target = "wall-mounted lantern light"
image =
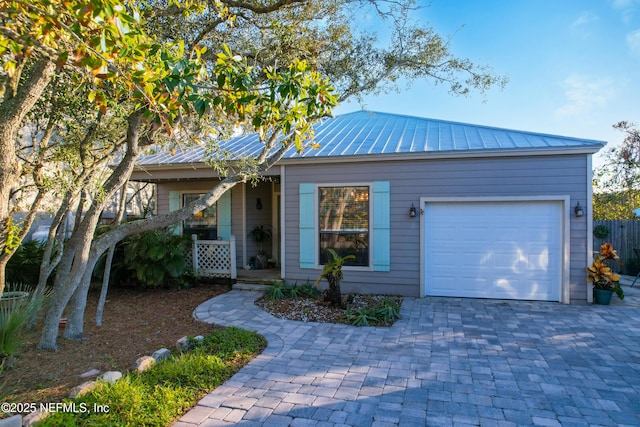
{"points": [[259, 203], [578, 210], [412, 211]]}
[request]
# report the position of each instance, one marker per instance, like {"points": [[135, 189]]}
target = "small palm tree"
{"points": [[333, 273]]}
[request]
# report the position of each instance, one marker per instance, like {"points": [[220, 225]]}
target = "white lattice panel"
{"points": [[215, 258], [188, 256]]}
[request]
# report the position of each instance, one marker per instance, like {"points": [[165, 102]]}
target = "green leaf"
{"points": [[157, 252], [15, 47], [200, 107], [175, 267], [221, 80]]}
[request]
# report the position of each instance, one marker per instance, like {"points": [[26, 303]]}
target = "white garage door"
{"points": [[506, 250]]}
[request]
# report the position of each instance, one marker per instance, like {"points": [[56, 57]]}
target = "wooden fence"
{"points": [[624, 235]]}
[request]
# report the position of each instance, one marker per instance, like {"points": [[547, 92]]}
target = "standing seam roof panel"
{"points": [[405, 142], [380, 138], [354, 145], [419, 136], [377, 129], [370, 128], [343, 146], [387, 140], [364, 132]]}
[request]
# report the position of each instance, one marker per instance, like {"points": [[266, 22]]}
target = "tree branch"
{"points": [[263, 9]]}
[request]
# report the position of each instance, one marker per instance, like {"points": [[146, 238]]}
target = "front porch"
{"points": [[227, 234], [216, 259]]}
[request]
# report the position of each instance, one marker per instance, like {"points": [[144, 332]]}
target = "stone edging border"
{"points": [[141, 365]]}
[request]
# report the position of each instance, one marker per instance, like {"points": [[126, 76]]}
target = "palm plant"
{"points": [[333, 273], [15, 312]]}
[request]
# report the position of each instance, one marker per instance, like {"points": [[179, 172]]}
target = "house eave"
{"points": [[442, 155]]}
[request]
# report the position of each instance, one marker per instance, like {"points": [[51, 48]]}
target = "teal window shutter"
{"points": [[381, 226], [307, 226], [174, 205], [224, 216]]}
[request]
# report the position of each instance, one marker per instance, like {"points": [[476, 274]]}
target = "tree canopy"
{"points": [[617, 181], [100, 80]]}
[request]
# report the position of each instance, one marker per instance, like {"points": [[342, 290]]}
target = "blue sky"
{"points": [[572, 66]]}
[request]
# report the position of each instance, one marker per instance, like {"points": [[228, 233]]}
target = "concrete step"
{"points": [[250, 287]]}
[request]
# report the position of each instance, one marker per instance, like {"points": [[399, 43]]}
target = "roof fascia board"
{"points": [[439, 156]]}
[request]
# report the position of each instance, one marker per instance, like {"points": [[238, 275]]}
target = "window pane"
{"points": [[344, 223], [204, 223]]}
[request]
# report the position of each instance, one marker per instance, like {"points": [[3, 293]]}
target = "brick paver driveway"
{"points": [[449, 361]]}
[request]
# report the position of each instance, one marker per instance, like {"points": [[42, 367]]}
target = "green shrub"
{"points": [[361, 317], [382, 311], [24, 265], [275, 291], [388, 311], [230, 341], [308, 290], [152, 259], [130, 402], [293, 291], [279, 290], [195, 369], [157, 257], [160, 395]]}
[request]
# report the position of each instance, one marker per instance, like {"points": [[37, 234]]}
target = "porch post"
{"points": [[194, 252], [232, 254]]}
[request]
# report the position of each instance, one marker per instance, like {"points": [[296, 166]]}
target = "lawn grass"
{"points": [[160, 395]]}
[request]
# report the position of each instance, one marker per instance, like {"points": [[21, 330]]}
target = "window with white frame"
{"points": [[343, 223]]}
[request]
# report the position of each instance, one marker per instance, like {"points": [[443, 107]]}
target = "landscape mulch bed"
{"points": [[135, 324], [315, 309]]}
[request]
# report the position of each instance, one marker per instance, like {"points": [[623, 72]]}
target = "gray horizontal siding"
{"points": [[410, 180]]}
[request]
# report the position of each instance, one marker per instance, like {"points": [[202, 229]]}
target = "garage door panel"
{"points": [[447, 286], [510, 250]]}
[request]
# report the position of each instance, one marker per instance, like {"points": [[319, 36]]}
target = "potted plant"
{"points": [[605, 281], [333, 273], [260, 234]]}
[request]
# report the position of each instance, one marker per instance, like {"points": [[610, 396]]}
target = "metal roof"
{"points": [[367, 133]]}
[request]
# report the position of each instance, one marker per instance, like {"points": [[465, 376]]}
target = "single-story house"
{"points": [[427, 207]]}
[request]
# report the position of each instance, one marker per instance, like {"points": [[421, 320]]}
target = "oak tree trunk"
{"points": [[13, 109], [76, 259], [105, 285]]}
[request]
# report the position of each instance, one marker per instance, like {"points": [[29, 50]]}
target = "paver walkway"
{"points": [[448, 362]]}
